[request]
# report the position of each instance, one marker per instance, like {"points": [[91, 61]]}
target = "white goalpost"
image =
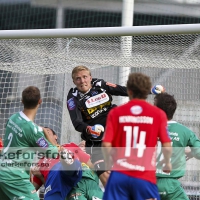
{"points": [[169, 54]]}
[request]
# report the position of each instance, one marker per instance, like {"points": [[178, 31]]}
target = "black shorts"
{"points": [[94, 149]]}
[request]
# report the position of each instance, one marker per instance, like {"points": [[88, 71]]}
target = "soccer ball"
{"points": [[98, 128], [157, 89]]}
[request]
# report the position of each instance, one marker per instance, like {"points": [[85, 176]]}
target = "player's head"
{"points": [[51, 131], [167, 103], [31, 97], [82, 78], [138, 86]]}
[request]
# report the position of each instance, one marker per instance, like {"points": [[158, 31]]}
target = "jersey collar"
{"points": [[24, 116], [82, 94]]}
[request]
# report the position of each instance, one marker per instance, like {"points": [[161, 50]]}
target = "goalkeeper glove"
{"points": [[157, 89], [95, 130]]}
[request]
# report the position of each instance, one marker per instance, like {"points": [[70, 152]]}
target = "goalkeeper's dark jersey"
{"points": [[92, 107]]}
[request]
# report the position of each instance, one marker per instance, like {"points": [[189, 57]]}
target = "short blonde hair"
{"points": [[78, 69]]}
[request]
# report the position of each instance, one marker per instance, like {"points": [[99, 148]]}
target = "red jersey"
{"points": [[46, 164], [133, 130]]}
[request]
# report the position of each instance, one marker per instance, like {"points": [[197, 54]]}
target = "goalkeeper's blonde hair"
{"points": [[78, 69]]}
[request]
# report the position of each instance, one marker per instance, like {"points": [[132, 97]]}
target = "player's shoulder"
{"points": [[179, 126], [16, 118], [22, 123], [34, 129], [73, 92], [96, 82], [102, 83]]}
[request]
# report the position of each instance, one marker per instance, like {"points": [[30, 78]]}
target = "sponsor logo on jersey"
{"points": [[100, 107], [136, 110], [134, 119], [98, 112], [71, 104], [47, 189], [124, 163], [93, 93], [33, 191], [42, 142], [97, 100], [111, 84]]}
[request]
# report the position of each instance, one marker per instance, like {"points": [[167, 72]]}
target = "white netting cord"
{"points": [[53, 56]]}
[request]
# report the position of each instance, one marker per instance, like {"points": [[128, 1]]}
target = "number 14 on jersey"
{"points": [[132, 134]]}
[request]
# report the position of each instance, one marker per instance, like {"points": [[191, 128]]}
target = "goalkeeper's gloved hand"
{"points": [[157, 89], [95, 130], [67, 157]]}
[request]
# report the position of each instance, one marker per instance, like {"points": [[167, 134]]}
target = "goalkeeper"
{"points": [[88, 104], [168, 184]]}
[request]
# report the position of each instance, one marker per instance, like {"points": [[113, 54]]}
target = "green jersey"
{"points": [[22, 140], [181, 137], [88, 173]]}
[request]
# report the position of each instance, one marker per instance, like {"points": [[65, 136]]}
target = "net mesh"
{"points": [[171, 60], [56, 56]]}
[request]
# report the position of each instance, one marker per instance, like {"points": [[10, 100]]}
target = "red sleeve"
{"points": [[37, 180], [1, 144], [78, 153], [163, 132], [83, 157], [109, 132]]}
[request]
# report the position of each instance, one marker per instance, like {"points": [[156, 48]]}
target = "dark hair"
{"points": [[30, 97], [139, 84], [51, 130], [167, 103]]}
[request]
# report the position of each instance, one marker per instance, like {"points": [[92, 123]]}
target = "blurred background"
{"points": [[36, 14]]}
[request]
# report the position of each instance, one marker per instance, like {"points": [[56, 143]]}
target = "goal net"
{"points": [[171, 59]]}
